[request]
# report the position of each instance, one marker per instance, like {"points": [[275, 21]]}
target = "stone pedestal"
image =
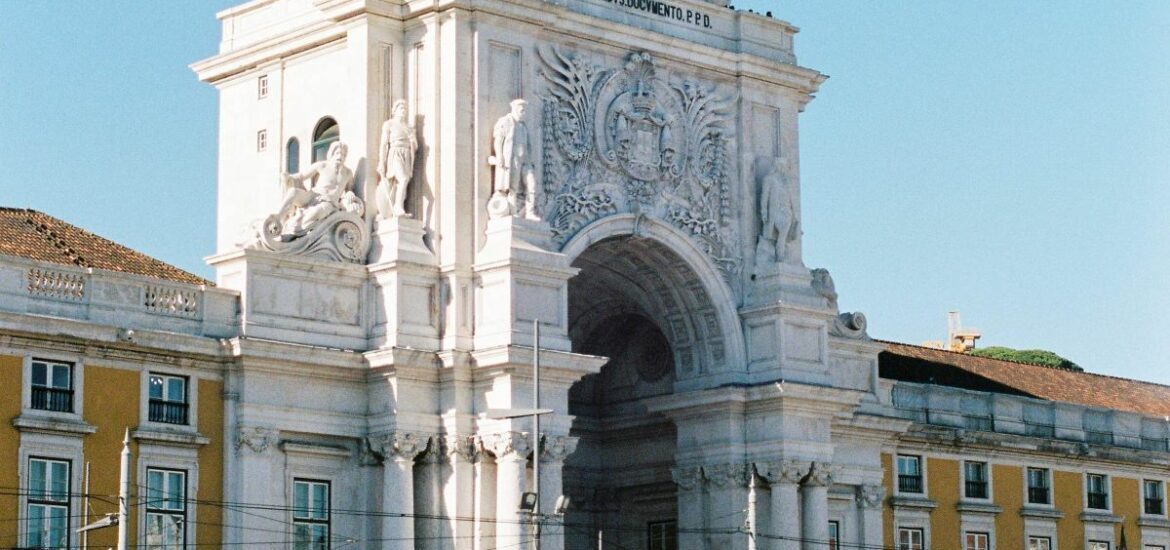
{"points": [[398, 451], [406, 290], [399, 240]]}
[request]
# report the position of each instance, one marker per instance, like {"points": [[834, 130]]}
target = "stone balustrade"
{"points": [[119, 299]]}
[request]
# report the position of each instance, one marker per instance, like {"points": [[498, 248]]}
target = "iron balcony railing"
{"points": [[909, 484], [52, 399], [976, 489], [1038, 495], [168, 412], [1154, 506], [1098, 501]]}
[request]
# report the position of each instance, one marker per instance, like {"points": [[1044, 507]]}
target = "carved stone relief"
{"points": [[257, 438], [639, 140], [870, 496], [399, 445]]}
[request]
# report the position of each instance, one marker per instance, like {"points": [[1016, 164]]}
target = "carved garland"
{"points": [[631, 140]]}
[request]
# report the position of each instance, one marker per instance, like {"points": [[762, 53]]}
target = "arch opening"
{"points": [[643, 306]]}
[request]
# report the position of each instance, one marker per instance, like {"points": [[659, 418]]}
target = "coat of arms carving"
{"points": [[633, 139]]}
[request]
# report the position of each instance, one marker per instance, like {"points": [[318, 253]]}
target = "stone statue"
{"points": [[513, 161], [395, 163], [778, 223], [308, 200]]}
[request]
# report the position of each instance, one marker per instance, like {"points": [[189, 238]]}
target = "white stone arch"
{"points": [[726, 329]]}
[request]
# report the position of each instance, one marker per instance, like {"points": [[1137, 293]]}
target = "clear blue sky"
{"points": [[1006, 159]]}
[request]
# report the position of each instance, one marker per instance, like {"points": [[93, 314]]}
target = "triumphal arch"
{"points": [[407, 187]]}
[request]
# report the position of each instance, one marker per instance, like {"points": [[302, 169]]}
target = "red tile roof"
{"points": [[39, 236], [1052, 383]]}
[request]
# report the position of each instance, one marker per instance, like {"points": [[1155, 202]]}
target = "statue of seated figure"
{"points": [[308, 201]]}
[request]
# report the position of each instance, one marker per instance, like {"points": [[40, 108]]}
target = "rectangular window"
{"points": [[1038, 486], [1152, 491], [1154, 547], [262, 87], [1096, 491], [166, 509], [52, 386], [310, 515], [1039, 543], [48, 503], [1098, 545], [662, 535], [168, 399], [975, 541], [909, 539], [975, 480], [834, 535], [262, 141], [909, 474]]}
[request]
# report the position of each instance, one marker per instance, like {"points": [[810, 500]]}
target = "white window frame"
{"points": [[1048, 479], [151, 456], [192, 424], [67, 503], [921, 473], [1095, 545], [1161, 493], [77, 374], [1047, 539], [262, 140], [986, 540], [898, 537], [148, 509], [262, 86], [328, 522], [986, 481], [1107, 482]]}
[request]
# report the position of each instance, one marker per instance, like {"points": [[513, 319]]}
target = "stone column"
{"points": [[259, 466], [398, 450], [554, 450], [727, 496], [462, 454], [511, 451], [869, 510], [814, 492], [428, 501], [783, 528], [690, 506]]}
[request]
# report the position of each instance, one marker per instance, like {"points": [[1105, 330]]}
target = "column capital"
{"points": [[459, 446], [257, 438], [782, 471], [688, 478], [820, 474], [726, 475], [870, 496], [508, 445], [399, 446], [555, 448]]}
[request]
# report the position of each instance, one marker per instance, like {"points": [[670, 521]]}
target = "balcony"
{"points": [[909, 484], [52, 399], [1038, 495], [167, 412]]}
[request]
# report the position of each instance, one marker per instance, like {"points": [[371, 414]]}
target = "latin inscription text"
{"points": [[667, 10]]}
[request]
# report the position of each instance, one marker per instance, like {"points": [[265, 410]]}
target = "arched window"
{"points": [[324, 134], [292, 156]]}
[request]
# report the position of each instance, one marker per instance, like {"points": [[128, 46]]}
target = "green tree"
{"points": [[1033, 356]]}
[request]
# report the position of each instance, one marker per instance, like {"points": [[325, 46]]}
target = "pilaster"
{"points": [[398, 451]]}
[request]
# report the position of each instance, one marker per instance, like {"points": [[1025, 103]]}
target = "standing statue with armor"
{"points": [[512, 158], [395, 163], [778, 223]]}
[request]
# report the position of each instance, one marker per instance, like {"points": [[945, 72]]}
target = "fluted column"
{"points": [[814, 493], [782, 531], [398, 450], [869, 508], [511, 451], [690, 506], [727, 492], [553, 452], [462, 454]]}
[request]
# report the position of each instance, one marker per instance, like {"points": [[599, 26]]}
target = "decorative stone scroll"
{"points": [[320, 216], [257, 438], [557, 448], [507, 444], [465, 447], [782, 471], [847, 325], [820, 474], [630, 139], [726, 475], [687, 478], [399, 445], [870, 496]]}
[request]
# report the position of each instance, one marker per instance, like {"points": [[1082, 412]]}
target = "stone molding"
{"points": [[557, 448], [726, 475], [257, 438], [687, 479], [781, 471], [400, 446], [508, 445], [1040, 512], [870, 496]]}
